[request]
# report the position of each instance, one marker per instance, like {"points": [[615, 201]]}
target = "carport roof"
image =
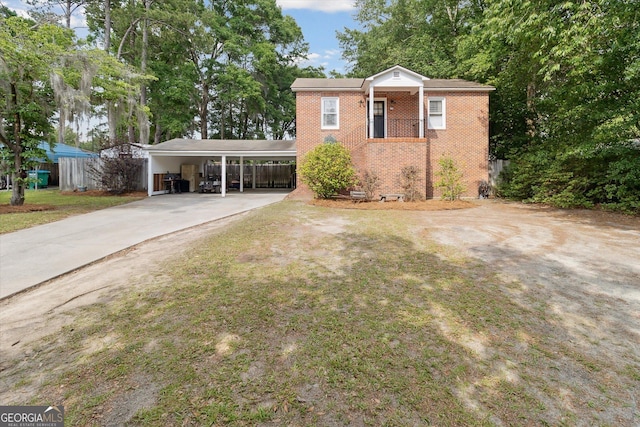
{"points": [[228, 147]]}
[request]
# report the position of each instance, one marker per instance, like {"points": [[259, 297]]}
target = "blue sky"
{"points": [[319, 20]]}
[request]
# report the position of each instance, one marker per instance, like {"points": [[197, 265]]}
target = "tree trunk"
{"points": [[112, 121], [18, 183], [107, 25], [531, 121], [158, 132], [204, 110], [131, 134], [62, 122], [111, 114], [17, 177], [67, 13], [143, 122]]}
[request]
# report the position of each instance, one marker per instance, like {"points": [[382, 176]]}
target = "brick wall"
{"points": [[465, 138]]}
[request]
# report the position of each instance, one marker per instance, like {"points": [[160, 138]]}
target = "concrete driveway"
{"points": [[35, 255]]}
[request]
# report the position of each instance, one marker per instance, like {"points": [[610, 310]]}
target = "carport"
{"points": [[172, 155]]}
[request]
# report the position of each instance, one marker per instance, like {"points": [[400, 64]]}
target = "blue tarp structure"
{"points": [[63, 150]]}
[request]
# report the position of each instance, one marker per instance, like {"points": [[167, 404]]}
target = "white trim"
{"points": [[421, 113], [322, 112], [247, 154], [443, 100], [397, 68]]}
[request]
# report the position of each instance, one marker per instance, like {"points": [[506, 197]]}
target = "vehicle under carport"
{"points": [[194, 157]]}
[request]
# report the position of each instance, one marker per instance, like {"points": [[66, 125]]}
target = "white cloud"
{"points": [[79, 20], [313, 60], [19, 11], [320, 5], [331, 53]]}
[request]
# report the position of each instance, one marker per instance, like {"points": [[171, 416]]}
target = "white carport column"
{"points": [[241, 174], [421, 111], [223, 178], [149, 176]]}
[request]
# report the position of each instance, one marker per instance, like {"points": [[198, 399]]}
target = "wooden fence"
{"points": [[75, 173], [267, 175]]}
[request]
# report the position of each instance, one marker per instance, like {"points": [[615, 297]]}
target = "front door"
{"points": [[378, 119]]}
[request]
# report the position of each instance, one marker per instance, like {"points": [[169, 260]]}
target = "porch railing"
{"points": [[395, 128]]}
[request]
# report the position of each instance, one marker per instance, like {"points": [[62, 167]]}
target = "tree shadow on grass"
{"points": [[354, 326]]}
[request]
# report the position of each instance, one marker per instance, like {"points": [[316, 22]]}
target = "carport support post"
{"points": [[223, 178], [241, 174], [150, 176]]}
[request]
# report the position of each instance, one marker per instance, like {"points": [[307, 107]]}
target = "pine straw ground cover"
{"points": [[305, 315]]}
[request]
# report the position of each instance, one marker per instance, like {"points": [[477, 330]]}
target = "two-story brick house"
{"points": [[398, 118]]}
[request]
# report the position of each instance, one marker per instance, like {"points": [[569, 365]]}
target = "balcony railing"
{"points": [[395, 128]]}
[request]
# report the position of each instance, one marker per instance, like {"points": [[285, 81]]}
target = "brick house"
{"points": [[398, 118]]}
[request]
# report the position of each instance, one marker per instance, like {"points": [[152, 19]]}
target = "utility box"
{"points": [[190, 173]]}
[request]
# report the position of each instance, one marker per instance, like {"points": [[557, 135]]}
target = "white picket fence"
{"points": [[75, 174]]}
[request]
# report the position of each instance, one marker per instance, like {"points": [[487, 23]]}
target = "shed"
{"points": [[63, 150]]}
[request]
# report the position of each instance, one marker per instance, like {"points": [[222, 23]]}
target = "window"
{"points": [[330, 113], [437, 112]]}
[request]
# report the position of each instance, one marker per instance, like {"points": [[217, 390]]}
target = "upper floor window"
{"points": [[330, 113], [437, 113]]}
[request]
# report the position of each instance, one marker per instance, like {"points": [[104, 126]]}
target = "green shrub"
{"points": [[607, 176], [450, 179], [327, 170]]}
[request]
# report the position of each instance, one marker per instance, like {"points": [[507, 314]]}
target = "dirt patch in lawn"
{"points": [[503, 314], [8, 209]]}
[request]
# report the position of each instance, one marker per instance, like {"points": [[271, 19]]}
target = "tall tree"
{"points": [[67, 7], [568, 79], [420, 34], [43, 69], [236, 39], [220, 66], [27, 54]]}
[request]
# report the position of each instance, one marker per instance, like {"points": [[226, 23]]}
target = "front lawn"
{"points": [[48, 205], [305, 315]]}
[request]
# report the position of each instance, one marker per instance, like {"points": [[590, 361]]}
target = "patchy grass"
{"points": [[44, 206], [303, 315]]}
